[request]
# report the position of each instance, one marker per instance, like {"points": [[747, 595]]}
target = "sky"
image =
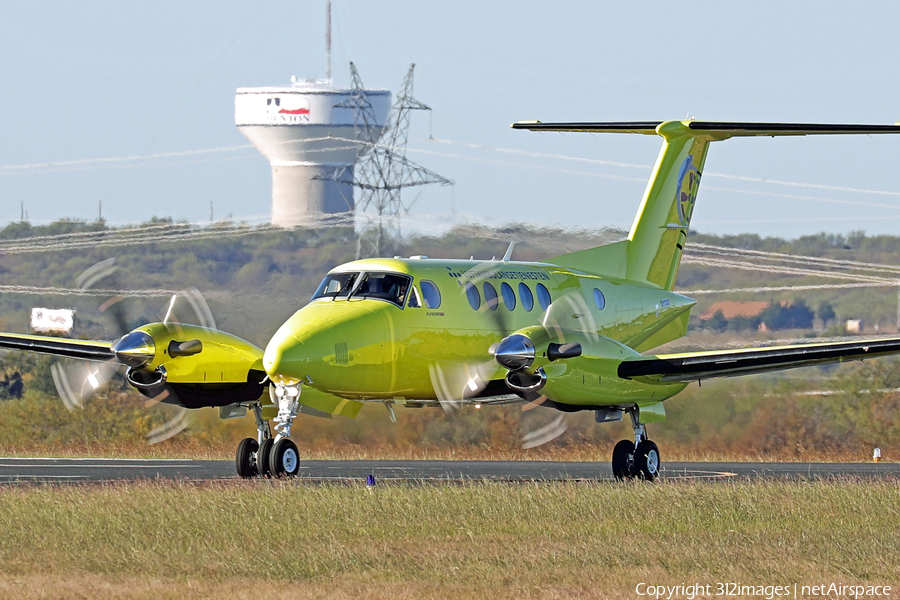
{"points": [[132, 105]]}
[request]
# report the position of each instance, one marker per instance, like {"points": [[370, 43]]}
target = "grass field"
{"points": [[272, 539]]}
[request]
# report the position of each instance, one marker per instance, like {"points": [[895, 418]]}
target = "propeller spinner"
{"points": [[514, 352], [135, 349]]}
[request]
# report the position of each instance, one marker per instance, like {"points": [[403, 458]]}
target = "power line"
{"points": [[61, 291], [93, 162], [697, 247], [747, 266], [790, 288], [647, 167]]}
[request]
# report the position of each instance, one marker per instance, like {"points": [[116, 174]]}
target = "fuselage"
{"points": [[357, 339]]}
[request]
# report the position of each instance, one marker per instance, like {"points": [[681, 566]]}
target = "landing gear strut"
{"points": [[639, 458], [267, 456], [284, 460]]}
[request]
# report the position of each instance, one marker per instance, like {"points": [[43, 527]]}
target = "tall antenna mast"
{"points": [[328, 40]]}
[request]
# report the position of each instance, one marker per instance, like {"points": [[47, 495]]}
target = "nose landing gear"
{"points": [[267, 456]]}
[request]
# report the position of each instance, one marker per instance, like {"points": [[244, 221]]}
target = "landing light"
{"points": [[284, 380]]}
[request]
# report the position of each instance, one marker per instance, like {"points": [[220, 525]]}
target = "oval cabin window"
{"points": [[473, 296], [599, 299], [526, 297], [509, 296], [543, 296], [490, 295], [431, 293]]}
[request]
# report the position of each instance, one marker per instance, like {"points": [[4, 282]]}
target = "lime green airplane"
{"points": [[568, 333]]}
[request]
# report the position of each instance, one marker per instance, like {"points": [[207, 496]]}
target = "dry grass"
{"points": [[287, 539]]}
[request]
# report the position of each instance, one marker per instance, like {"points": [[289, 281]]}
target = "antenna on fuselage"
{"points": [[509, 251]]}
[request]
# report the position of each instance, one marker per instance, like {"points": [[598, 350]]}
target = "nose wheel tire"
{"points": [[245, 459], [646, 460], [284, 460], [262, 457], [623, 459]]}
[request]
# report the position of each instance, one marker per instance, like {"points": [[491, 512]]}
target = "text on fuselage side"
{"points": [[516, 275]]}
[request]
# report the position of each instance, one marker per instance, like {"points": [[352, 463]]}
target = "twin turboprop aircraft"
{"points": [[568, 333]]}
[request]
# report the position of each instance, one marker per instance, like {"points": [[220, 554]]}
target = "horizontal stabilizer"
{"points": [[720, 128], [694, 366], [772, 129]]}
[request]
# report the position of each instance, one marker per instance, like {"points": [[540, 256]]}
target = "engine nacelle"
{"points": [[580, 367], [203, 367]]}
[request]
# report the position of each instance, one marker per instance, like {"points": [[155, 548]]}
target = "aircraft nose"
{"points": [[283, 358], [336, 348], [299, 349]]}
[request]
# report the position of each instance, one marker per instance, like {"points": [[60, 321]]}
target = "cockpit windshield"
{"points": [[336, 285], [391, 287]]}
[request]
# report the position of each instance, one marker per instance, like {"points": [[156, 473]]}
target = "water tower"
{"points": [[307, 130]]}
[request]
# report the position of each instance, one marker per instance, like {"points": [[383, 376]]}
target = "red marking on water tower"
{"points": [[299, 111]]}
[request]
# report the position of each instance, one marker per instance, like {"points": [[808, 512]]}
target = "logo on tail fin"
{"points": [[688, 184]]}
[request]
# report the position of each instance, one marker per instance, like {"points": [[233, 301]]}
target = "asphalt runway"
{"points": [[84, 470]]}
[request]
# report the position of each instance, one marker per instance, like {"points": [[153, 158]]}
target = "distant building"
{"points": [[854, 325]]}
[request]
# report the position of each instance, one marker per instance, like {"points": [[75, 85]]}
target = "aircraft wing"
{"points": [[84, 349], [694, 366]]}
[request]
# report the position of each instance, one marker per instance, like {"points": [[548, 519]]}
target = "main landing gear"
{"points": [[639, 458], [267, 456]]}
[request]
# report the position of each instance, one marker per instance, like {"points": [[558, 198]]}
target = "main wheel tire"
{"points": [[284, 460], [646, 460], [243, 459], [622, 459], [262, 457]]}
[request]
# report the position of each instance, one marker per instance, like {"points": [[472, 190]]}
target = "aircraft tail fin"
{"points": [[652, 252]]}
